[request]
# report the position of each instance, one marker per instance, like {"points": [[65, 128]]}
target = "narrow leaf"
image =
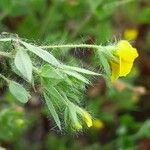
{"points": [[23, 64], [56, 94], [19, 92], [46, 56], [66, 114], [52, 110], [48, 71], [73, 114], [77, 76], [81, 70], [105, 64]]}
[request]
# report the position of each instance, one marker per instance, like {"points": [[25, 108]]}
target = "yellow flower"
{"points": [[126, 55], [98, 124], [130, 34]]}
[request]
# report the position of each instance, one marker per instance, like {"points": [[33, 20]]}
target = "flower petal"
{"points": [[115, 71], [126, 52], [125, 67]]}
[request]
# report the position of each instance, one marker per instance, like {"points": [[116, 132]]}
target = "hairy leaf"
{"points": [[73, 113], [77, 76], [48, 71], [46, 56], [81, 70], [103, 60], [55, 93], [23, 64], [19, 92], [52, 110], [66, 115]]}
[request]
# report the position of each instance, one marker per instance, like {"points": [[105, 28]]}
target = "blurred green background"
{"points": [[121, 111]]}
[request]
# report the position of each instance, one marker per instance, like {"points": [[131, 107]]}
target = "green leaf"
{"points": [[77, 76], [73, 113], [48, 71], [66, 114], [23, 64], [50, 82], [19, 92], [55, 93], [52, 110], [105, 64], [81, 70], [46, 56]]}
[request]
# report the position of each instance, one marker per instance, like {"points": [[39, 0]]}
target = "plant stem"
{"points": [[72, 46], [5, 54], [58, 46]]}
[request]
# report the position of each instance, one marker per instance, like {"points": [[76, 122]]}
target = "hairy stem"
{"points": [[72, 46], [57, 46]]}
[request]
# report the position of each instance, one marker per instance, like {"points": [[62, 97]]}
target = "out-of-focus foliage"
{"points": [[121, 110], [12, 124]]}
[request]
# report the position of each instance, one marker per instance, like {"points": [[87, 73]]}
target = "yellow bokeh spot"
{"points": [[130, 34], [98, 124], [126, 55]]}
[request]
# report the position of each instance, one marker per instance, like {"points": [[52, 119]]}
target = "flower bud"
{"points": [[87, 118]]}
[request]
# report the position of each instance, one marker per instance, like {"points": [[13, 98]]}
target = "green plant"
{"points": [[60, 84]]}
